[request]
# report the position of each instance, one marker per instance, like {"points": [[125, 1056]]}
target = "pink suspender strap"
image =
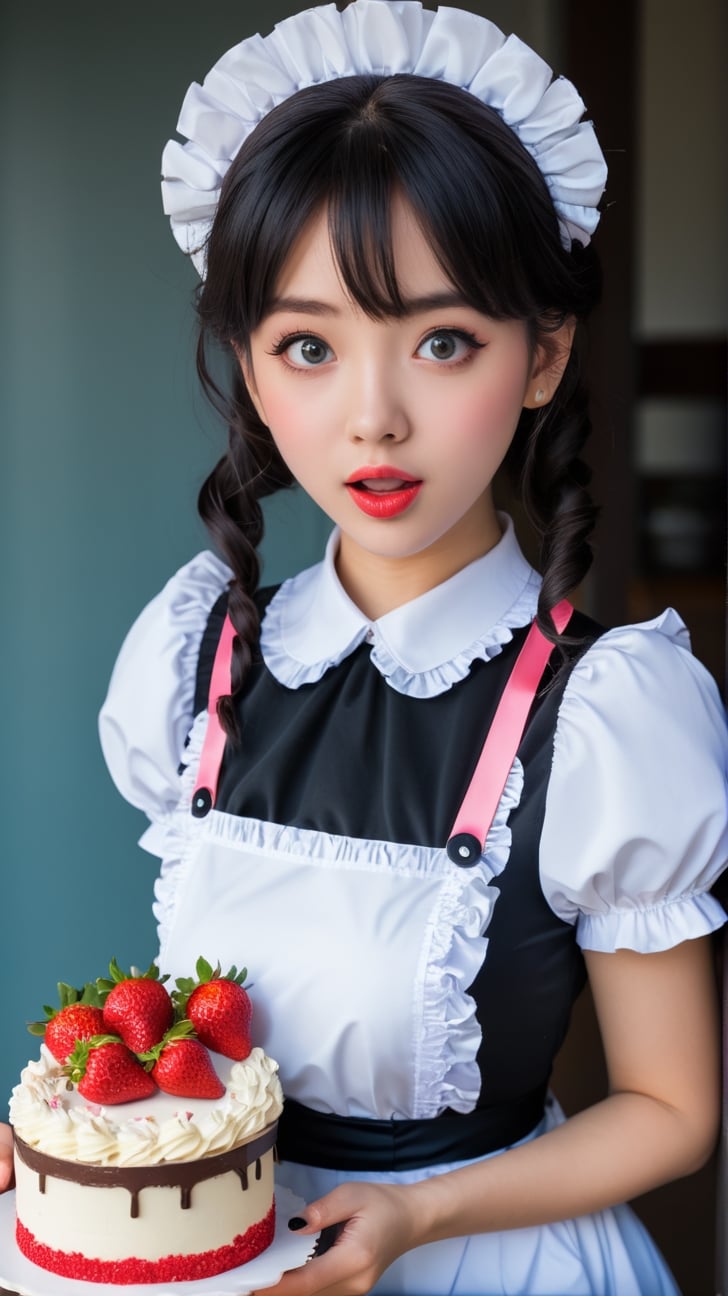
{"points": [[205, 793], [472, 824], [466, 841]]}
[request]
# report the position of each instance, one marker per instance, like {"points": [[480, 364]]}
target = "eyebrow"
{"points": [[412, 305]]}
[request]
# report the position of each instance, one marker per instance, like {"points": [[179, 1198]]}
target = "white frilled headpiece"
{"points": [[383, 37]]}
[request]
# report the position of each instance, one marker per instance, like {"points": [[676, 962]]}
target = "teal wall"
{"points": [[104, 443]]}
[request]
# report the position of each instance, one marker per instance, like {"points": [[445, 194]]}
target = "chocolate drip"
{"points": [[178, 1174]]}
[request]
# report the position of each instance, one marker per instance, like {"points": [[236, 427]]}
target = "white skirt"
{"points": [[607, 1254]]}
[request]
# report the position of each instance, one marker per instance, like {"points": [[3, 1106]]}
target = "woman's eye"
{"points": [[447, 345], [306, 352]]}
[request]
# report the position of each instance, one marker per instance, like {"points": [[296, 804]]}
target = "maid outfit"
{"points": [[413, 999]]}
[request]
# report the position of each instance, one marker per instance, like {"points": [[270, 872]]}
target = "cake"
{"points": [[158, 1188]]}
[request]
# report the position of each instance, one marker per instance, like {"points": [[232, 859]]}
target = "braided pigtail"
{"points": [[229, 505], [552, 481]]}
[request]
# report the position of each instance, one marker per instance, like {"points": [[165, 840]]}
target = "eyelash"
{"points": [[463, 335], [287, 340]]}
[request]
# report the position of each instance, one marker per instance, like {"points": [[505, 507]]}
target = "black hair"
{"points": [[344, 147]]}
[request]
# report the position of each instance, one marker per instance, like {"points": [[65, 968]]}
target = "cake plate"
{"points": [[287, 1251]]}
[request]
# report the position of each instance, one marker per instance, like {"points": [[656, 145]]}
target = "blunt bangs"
{"points": [[346, 147]]}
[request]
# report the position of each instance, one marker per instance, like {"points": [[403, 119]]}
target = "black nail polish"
{"points": [[297, 1222]]}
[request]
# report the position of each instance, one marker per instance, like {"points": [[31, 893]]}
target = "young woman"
{"points": [[391, 211]]}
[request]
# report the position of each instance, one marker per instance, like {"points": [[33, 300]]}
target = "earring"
{"points": [[539, 395]]}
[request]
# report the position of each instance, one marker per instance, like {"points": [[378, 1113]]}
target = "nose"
{"points": [[376, 404]]}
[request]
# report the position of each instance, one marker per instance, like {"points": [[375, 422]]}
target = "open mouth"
{"points": [[382, 485], [383, 497]]}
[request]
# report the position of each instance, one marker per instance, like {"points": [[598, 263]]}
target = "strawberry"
{"points": [[183, 1066], [136, 1006], [106, 1071], [218, 1007], [78, 1018]]}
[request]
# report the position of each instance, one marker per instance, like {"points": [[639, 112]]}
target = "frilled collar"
{"points": [[421, 648]]}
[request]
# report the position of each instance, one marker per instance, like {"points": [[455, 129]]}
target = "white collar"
{"points": [[421, 648]]}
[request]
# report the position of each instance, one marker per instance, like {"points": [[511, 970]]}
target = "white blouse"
{"points": [[641, 726]]}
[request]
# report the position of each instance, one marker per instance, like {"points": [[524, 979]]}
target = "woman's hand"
{"points": [[6, 1157], [378, 1224], [658, 1019]]}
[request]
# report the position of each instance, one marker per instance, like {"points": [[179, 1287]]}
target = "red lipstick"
{"points": [[381, 491]]}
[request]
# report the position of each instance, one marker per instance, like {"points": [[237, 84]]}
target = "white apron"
{"points": [[360, 955]]}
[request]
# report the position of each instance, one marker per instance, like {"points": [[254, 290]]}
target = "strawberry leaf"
{"points": [[104, 985], [67, 996], [205, 973], [90, 995], [75, 1067], [204, 970], [180, 1030]]}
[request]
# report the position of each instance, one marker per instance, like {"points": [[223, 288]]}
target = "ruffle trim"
{"points": [[454, 950], [454, 945], [149, 707], [287, 669], [419, 684], [649, 931], [370, 36], [327, 849], [189, 609], [430, 683], [174, 837]]}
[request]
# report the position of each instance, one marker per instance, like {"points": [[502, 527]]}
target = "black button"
{"points": [[464, 850], [201, 803]]}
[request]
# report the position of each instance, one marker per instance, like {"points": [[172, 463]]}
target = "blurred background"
{"points": [[105, 439]]}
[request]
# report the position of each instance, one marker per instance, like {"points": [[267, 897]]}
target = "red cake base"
{"points": [[179, 1268]]}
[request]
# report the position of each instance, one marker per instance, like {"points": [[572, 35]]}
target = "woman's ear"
{"points": [[549, 362], [246, 369]]}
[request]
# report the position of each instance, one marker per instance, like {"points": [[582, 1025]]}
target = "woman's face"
{"points": [[394, 427]]}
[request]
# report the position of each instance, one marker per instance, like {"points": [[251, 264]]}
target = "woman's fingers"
{"points": [[373, 1230], [6, 1157], [337, 1273]]}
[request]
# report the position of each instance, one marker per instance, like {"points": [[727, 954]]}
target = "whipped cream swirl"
{"points": [[48, 1113]]}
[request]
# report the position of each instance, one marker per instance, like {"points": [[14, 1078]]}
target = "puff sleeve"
{"points": [[148, 710], [636, 820]]}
